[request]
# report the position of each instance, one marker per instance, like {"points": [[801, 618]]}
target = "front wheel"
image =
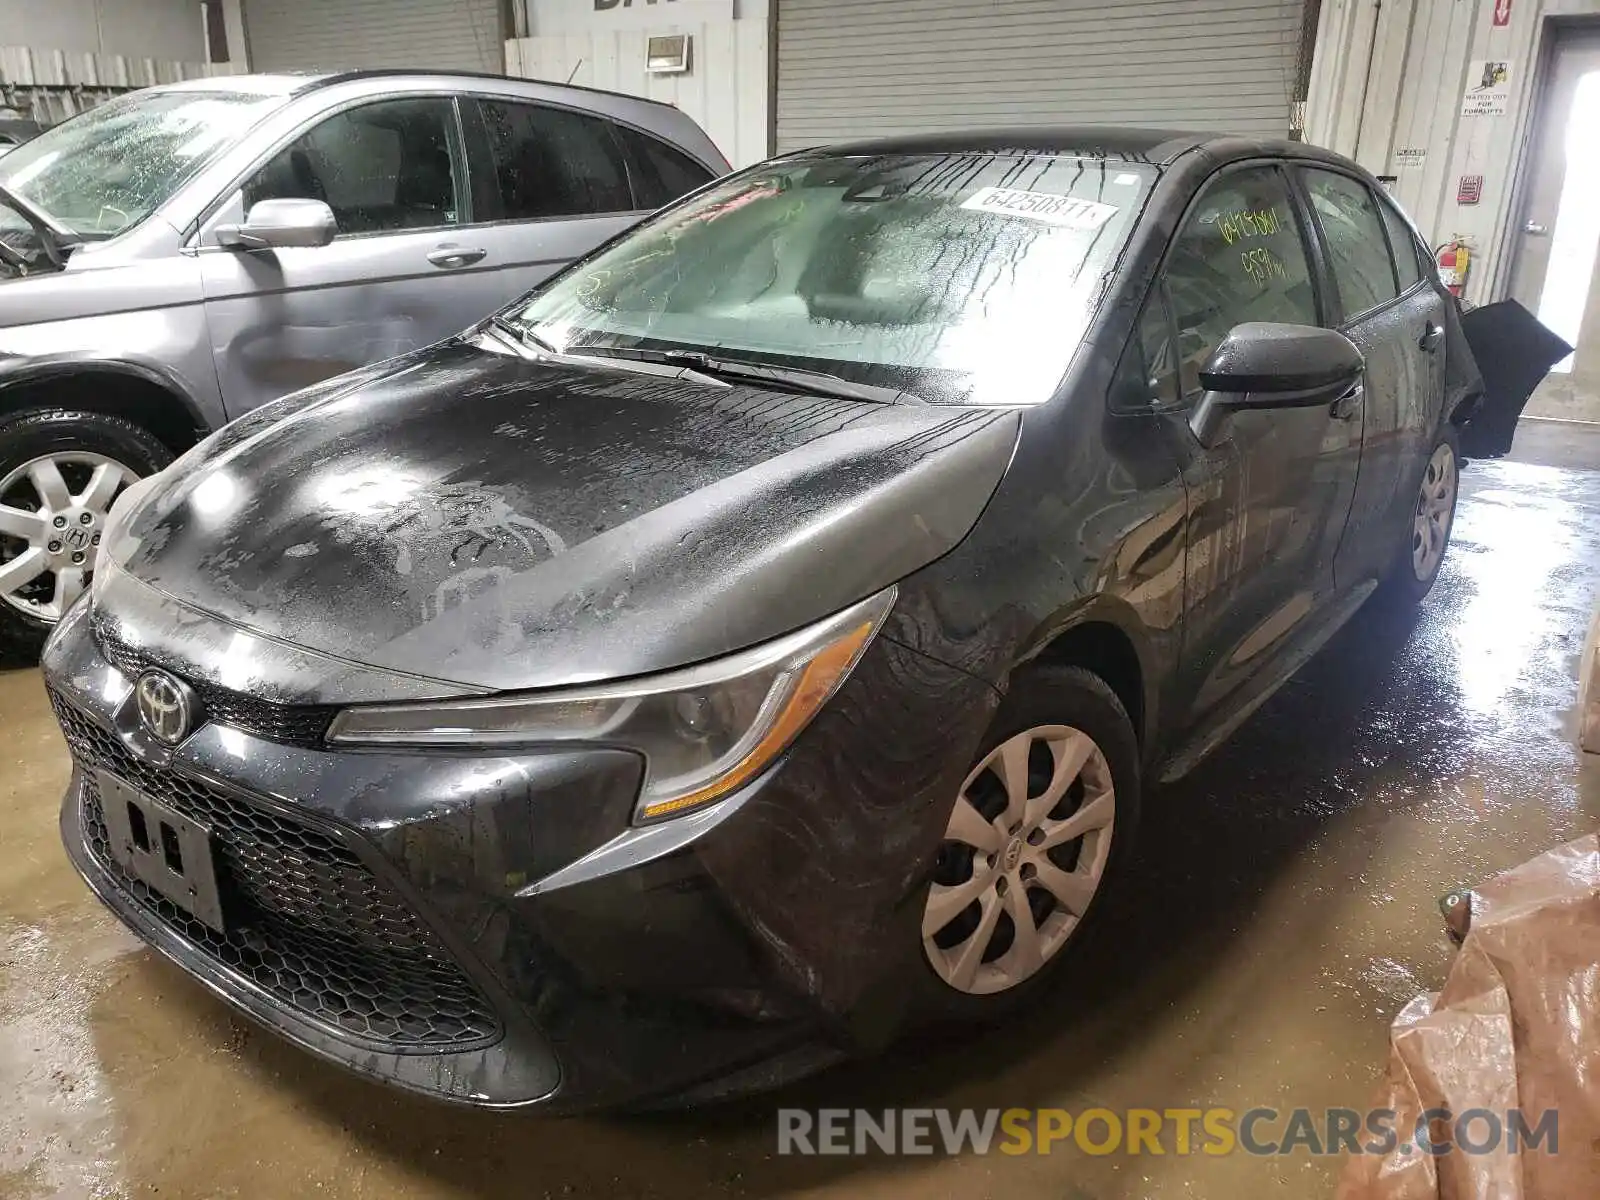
{"points": [[1433, 516], [60, 472], [1037, 833]]}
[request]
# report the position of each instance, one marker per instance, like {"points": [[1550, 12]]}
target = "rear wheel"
{"points": [[1433, 516], [60, 472], [1035, 837]]}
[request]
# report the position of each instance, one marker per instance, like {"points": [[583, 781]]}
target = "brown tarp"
{"points": [[1517, 1026]]}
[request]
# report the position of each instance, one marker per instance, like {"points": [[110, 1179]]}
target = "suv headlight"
{"points": [[703, 731]]}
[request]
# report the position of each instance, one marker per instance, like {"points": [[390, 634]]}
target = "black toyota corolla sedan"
{"points": [[757, 640]]}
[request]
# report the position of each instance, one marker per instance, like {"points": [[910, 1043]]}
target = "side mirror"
{"points": [[1263, 364], [277, 224]]}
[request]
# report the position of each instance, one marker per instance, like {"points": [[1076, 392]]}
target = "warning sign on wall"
{"points": [[1488, 89]]}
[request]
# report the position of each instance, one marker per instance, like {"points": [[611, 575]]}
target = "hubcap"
{"points": [[1436, 506], [1022, 857], [52, 513]]}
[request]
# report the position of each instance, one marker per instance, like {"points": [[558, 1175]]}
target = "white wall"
{"points": [[726, 90], [1391, 77], [161, 29]]}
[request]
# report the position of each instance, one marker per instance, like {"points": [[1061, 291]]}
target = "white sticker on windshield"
{"points": [[1067, 211]]}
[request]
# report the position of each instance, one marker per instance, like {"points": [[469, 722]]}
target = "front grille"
{"points": [[295, 724], [308, 923]]}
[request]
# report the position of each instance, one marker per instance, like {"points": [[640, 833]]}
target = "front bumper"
{"points": [[488, 929]]}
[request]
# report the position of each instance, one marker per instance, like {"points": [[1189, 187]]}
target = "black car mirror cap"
{"points": [[280, 224], [1264, 364]]}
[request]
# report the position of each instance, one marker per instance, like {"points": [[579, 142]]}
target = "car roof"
{"points": [[1115, 142], [294, 83]]}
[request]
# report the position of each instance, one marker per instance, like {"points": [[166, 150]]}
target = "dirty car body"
{"points": [[183, 254], [454, 676]]}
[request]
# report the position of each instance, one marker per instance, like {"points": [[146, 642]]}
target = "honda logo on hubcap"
{"points": [[166, 709]]}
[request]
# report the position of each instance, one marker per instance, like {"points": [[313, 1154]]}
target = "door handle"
{"points": [[1535, 228], [1349, 404], [1431, 337], [448, 256]]}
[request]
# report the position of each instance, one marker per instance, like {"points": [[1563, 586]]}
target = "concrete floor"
{"points": [[1566, 397], [1556, 442], [1287, 911]]}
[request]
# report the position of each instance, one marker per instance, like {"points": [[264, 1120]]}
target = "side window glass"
{"points": [[1357, 251], [1147, 376], [385, 166], [1239, 257], [548, 162], [661, 173], [1404, 245]]}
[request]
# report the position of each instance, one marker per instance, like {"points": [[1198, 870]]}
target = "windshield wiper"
{"points": [[525, 335], [818, 383], [56, 238]]}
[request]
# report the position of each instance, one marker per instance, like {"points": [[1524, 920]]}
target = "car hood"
{"points": [[472, 517]]}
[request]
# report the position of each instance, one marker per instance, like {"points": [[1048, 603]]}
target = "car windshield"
{"points": [[106, 170], [956, 278]]}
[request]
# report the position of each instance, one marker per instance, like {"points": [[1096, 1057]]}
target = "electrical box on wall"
{"points": [[667, 55]]}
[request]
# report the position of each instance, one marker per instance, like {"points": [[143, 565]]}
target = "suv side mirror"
{"points": [[276, 224], [1263, 364]]}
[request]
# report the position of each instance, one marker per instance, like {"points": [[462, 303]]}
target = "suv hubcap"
{"points": [[1022, 857], [52, 513]]}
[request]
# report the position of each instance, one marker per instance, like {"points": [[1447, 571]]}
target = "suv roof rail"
{"points": [[321, 81]]}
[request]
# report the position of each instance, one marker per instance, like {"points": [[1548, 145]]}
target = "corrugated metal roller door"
{"points": [[851, 69], [461, 35]]}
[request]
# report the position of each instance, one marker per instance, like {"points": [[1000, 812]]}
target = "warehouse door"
{"points": [[1558, 244], [848, 69], [454, 35]]}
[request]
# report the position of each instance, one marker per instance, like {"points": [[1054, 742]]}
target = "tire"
{"points": [[1414, 573], [64, 435], [1066, 700]]}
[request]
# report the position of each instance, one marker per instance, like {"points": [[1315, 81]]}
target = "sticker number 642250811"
{"points": [[1052, 209]]}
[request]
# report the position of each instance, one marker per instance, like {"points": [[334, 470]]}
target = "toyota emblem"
{"points": [[165, 707]]}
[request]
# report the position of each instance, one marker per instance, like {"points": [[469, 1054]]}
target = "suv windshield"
{"points": [[106, 170], [957, 278]]}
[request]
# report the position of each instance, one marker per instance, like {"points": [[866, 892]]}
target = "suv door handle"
{"points": [[1431, 337], [1349, 404], [450, 256]]}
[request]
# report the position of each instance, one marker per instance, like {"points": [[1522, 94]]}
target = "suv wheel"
{"points": [[60, 471], [1037, 834]]}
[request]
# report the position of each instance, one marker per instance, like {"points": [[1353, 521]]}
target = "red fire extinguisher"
{"points": [[1453, 259]]}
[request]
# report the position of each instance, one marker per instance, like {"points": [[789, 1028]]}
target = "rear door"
{"points": [[550, 184], [1381, 303], [403, 271], [1268, 502]]}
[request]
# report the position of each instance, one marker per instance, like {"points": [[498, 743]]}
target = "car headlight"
{"points": [[703, 731]]}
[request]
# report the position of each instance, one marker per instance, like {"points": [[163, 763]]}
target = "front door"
{"points": [[402, 272], [1554, 274], [1268, 502]]}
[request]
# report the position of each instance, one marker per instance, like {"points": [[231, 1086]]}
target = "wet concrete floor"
{"points": [[1285, 911]]}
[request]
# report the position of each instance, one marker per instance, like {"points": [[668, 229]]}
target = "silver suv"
{"points": [[172, 259]]}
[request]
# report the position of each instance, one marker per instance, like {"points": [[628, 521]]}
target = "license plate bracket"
{"points": [[171, 853]]}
